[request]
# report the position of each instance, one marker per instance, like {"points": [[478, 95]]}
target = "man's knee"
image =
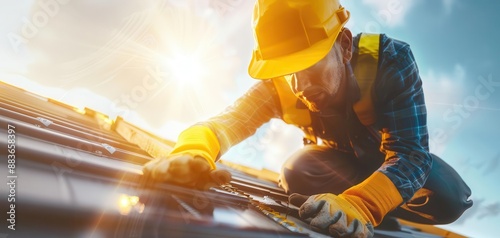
{"points": [[316, 169], [451, 192], [452, 207], [444, 197], [427, 207], [289, 180], [296, 171], [450, 211]]}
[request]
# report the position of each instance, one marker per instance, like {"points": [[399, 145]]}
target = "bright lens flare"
{"points": [[126, 203], [186, 69]]}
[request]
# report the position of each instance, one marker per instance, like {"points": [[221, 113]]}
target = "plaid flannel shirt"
{"points": [[400, 109]]}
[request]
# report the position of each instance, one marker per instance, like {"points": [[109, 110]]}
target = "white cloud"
{"points": [[444, 87], [478, 221], [268, 148], [390, 13], [284, 141], [448, 5]]}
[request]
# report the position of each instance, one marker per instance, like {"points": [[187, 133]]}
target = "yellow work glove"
{"points": [[353, 213], [191, 162], [186, 170]]}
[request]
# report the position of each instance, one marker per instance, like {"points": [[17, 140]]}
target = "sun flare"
{"points": [[186, 69]]}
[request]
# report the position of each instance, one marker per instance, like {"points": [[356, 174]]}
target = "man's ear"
{"points": [[345, 40]]}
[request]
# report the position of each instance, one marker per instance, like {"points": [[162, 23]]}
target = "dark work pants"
{"points": [[317, 169]]}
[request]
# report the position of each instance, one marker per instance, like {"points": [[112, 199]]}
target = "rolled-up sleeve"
{"points": [[403, 119], [240, 120]]}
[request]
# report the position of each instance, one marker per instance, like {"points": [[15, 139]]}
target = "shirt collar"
{"points": [[353, 91]]}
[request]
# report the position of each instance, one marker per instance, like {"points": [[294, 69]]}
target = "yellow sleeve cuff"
{"points": [[198, 141], [374, 197]]}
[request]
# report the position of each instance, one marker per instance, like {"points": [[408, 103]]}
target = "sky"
{"points": [[128, 58]]}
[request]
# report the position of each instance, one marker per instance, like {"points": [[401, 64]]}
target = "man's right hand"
{"points": [[340, 215], [186, 170]]}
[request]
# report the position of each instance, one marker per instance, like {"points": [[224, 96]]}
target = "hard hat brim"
{"points": [[284, 65]]}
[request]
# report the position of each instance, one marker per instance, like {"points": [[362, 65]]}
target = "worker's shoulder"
{"points": [[389, 47]]}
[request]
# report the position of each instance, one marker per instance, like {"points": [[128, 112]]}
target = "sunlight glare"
{"points": [[186, 69], [127, 202]]}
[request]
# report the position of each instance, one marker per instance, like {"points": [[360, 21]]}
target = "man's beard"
{"points": [[318, 97]]}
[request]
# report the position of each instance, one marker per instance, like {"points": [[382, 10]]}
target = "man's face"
{"points": [[317, 85]]}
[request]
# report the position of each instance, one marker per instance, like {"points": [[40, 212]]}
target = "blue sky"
{"points": [[121, 58], [454, 43]]}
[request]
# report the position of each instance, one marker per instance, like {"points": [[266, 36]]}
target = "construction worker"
{"points": [[360, 103]]}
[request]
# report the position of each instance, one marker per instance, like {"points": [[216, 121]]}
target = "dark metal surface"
{"points": [[64, 194], [78, 178]]}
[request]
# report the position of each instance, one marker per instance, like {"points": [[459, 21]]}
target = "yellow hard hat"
{"points": [[292, 35]]}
